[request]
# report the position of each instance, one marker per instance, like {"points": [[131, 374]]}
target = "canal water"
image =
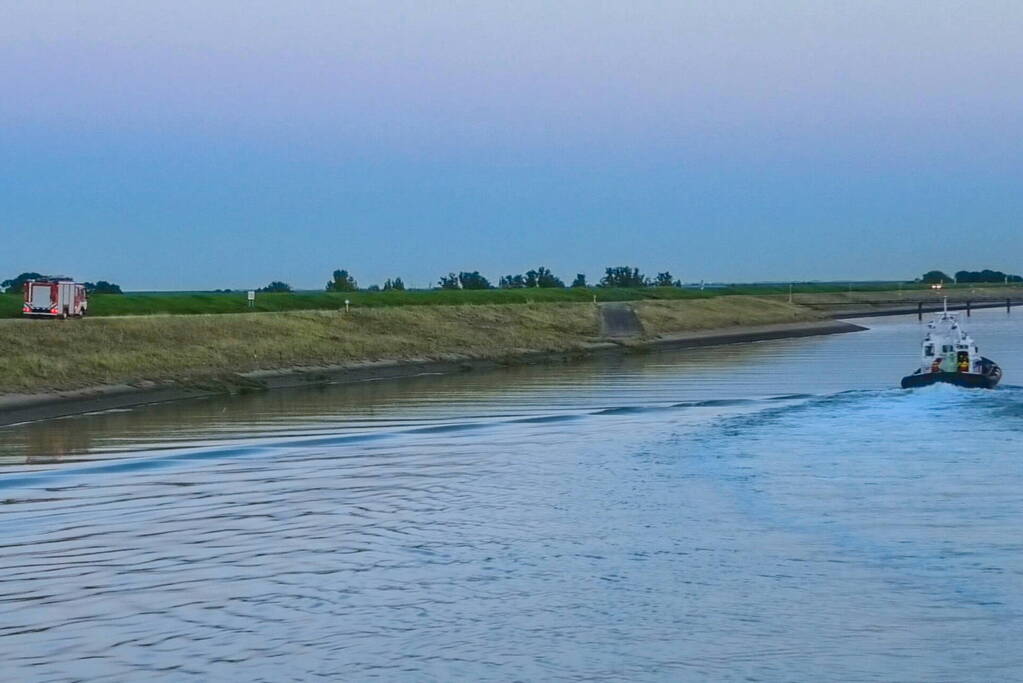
{"points": [[767, 511]]}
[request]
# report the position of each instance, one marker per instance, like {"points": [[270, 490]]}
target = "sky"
{"points": [[200, 144]]}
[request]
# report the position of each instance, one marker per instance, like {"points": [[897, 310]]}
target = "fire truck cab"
{"points": [[54, 299]]}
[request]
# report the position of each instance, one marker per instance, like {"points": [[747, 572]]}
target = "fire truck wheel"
{"points": [[63, 316]]}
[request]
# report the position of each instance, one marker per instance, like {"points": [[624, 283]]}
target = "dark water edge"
{"points": [[770, 511]]}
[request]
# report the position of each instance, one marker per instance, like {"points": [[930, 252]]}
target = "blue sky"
{"points": [[169, 145]]}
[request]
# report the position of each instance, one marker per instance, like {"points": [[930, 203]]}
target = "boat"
{"points": [[949, 355]]}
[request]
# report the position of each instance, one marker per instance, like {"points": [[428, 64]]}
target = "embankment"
{"points": [[96, 363], [857, 303]]}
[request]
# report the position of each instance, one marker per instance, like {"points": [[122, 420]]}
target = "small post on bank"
{"points": [[252, 298], [347, 302]]}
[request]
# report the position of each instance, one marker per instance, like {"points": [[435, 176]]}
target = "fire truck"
{"points": [[54, 299]]}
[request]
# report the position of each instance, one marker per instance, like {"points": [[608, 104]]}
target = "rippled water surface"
{"points": [[769, 511]]}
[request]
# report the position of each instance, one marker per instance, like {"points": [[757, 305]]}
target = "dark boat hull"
{"points": [[962, 379]]}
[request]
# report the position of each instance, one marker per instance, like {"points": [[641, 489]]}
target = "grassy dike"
{"points": [[213, 350]]}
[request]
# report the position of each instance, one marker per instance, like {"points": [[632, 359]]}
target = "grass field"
{"points": [[235, 302], [202, 303], [203, 349]]}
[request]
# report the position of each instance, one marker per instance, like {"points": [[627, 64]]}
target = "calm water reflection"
{"points": [[772, 511]]}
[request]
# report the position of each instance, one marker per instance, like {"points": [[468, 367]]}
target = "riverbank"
{"points": [[58, 368], [896, 302]]}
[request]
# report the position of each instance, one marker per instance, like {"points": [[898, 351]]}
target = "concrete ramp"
{"points": [[618, 320]]}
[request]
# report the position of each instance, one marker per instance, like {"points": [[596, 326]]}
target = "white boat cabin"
{"points": [[948, 348]]}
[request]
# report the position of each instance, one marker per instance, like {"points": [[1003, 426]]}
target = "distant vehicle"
{"points": [[55, 299]]}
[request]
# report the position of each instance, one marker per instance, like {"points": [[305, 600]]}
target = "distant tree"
{"points": [[473, 280], [395, 285], [580, 280], [935, 277], [102, 287], [17, 284], [511, 282], [275, 286], [449, 281], [342, 282], [623, 276], [665, 280], [373, 288]]}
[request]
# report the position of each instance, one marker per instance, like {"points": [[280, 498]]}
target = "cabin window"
{"points": [[929, 350]]}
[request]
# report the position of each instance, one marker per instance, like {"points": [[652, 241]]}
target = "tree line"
{"points": [[618, 276], [969, 276], [17, 284]]}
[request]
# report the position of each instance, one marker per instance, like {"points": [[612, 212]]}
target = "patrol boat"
{"points": [[950, 355]]}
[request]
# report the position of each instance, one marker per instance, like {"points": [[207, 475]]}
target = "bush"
{"points": [[102, 287], [275, 286], [666, 280], [985, 276], [16, 285], [465, 280], [542, 277], [935, 277], [623, 276], [342, 282], [512, 282]]}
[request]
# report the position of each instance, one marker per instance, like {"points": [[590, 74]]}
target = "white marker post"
{"points": [[252, 298], [347, 302]]}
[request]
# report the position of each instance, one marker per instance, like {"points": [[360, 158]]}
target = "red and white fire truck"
{"points": [[54, 299]]}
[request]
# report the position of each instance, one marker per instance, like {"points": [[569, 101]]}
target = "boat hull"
{"points": [[970, 380]]}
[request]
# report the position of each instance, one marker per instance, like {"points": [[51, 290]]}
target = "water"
{"points": [[770, 511]]}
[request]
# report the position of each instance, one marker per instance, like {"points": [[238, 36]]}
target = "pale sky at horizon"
{"points": [[194, 145]]}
